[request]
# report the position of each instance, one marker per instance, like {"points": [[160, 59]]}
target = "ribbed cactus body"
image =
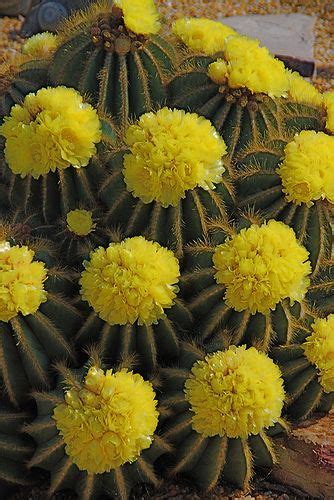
{"points": [[50, 455], [172, 226], [124, 74], [206, 460], [15, 449]]}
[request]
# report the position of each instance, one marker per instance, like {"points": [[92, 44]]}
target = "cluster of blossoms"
{"points": [[307, 171], [107, 421], [171, 152], [319, 350], [140, 16], [55, 130], [134, 280], [235, 393], [21, 281], [261, 266]]}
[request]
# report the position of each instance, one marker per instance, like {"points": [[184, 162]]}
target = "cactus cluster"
{"points": [[166, 272]]}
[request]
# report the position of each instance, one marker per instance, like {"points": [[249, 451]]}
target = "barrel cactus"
{"points": [[181, 181]]}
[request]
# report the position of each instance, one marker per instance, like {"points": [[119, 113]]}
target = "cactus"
{"points": [[69, 470], [37, 332], [124, 70], [149, 331], [205, 457]]}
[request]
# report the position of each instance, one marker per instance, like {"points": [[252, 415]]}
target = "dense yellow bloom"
{"points": [[328, 99], [80, 222], [21, 281], [234, 393], [202, 35], [52, 129], [134, 280], [307, 170], [140, 16], [302, 91], [107, 422], [41, 46], [319, 350], [262, 265], [172, 151], [253, 67], [218, 71]]}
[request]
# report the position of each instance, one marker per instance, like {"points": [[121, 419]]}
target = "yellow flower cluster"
{"points": [[172, 151], [307, 170], [52, 129], [140, 16], [80, 222], [253, 67], [129, 281], [234, 393], [218, 71], [328, 99], [40, 46], [262, 265], [109, 421], [300, 90], [202, 35], [21, 281], [319, 350]]}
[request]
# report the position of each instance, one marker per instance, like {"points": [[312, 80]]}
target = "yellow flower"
{"points": [[40, 46], [262, 265], [52, 129], [109, 421], [300, 90], [140, 16], [307, 170], [253, 67], [134, 280], [328, 99], [21, 281], [234, 393], [218, 71], [319, 350], [80, 222], [202, 35], [171, 152]]}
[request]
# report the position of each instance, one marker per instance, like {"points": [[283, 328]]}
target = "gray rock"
{"points": [[289, 36]]}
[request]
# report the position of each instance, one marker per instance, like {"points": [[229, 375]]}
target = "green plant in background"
{"points": [[188, 176]]}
